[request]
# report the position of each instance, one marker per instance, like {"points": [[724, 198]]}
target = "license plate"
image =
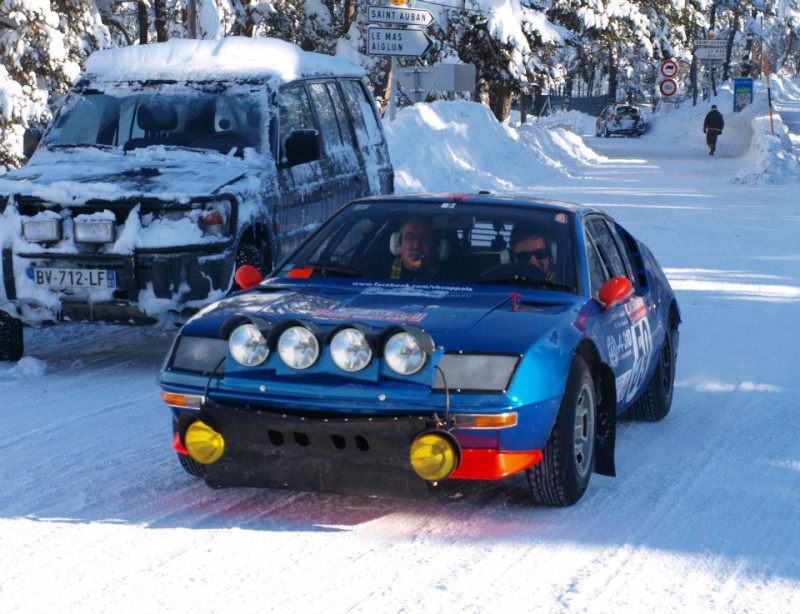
{"points": [[75, 278]]}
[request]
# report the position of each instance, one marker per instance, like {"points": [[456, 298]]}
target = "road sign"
{"points": [[401, 16], [668, 87], [395, 42], [714, 54], [710, 42], [669, 68]]}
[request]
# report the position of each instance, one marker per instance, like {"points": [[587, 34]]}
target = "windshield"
{"points": [[443, 243], [223, 120]]}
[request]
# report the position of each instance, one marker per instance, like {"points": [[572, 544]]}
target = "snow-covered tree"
{"points": [[43, 45]]}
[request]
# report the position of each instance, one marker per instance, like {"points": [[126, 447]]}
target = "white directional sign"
{"points": [[714, 54], [395, 42], [401, 16], [710, 42]]}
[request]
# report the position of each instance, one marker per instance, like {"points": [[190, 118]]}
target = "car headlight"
{"points": [[42, 230], [95, 231], [298, 347], [404, 354], [248, 346], [199, 354], [350, 350], [475, 372]]}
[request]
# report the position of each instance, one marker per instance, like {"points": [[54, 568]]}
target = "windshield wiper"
{"points": [[80, 146]]}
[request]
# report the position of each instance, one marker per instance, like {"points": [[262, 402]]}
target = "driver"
{"points": [[529, 246], [418, 246]]}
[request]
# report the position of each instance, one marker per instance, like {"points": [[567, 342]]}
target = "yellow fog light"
{"points": [[434, 455], [203, 443]]}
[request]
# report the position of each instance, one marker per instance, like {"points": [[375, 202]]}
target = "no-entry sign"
{"points": [[669, 68]]}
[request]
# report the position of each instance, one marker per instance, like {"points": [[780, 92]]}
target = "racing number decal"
{"points": [[642, 344]]}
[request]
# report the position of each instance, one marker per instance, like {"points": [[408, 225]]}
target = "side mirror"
{"points": [[247, 276], [615, 291], [302, 146], [30, 141]]}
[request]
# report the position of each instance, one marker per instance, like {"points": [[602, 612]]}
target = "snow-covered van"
{"points": [[169, 165]]}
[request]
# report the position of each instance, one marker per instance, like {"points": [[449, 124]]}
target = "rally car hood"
{"points": [[487, 317], [88, 173]]}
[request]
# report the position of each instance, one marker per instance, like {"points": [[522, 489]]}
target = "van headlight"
{"points": [[95, 231], [42, 231]]}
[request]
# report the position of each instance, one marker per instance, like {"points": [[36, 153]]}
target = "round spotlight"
{"points": [[403, 354], [298, 347], [203, 443], [434, 455], [248, 346], [350, 350]]}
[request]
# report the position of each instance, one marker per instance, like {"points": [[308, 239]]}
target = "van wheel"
{"points": [[252, 254], [12, 343]]}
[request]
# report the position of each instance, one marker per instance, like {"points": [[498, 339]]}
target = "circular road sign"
{"points": [[669, 68], [668, 87]]}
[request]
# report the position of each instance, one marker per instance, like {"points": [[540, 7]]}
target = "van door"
{"points": [[342, 160], [314, 184], [369, 135], [301, 180]]}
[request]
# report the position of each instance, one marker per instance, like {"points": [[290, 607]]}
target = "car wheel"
{"points": [[562, 476], [656, 401], [12, 342], [192, 467], [606, 133]]}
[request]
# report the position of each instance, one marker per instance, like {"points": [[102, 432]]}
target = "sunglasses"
{"points": [[539, 254]]}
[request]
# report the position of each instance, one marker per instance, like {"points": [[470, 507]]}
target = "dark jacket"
{"points": [[714, 121]]}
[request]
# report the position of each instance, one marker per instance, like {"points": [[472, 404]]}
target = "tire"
{"points": [[12, 342], [248, 253], [192, 467], [562, 476], [606, 133], [656, 401]]}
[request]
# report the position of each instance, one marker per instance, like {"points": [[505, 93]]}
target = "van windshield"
{"points": [[226, 122]]}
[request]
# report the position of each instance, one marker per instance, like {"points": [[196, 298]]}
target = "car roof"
{"points": [[202, 60], [484, 199]]}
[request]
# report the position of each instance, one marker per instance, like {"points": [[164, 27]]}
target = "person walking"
{"points": [[712, 127]]}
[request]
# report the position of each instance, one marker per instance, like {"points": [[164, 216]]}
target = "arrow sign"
{"points": [[390, 41], [714, 54], [401, 16]]}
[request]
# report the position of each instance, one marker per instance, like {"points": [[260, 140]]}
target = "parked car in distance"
{"points": [[169, 165], [414, 339], [624, 119]]}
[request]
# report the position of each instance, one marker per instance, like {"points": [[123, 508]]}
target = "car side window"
{"points": [[295, 112], [608, 252], [598, 273]]}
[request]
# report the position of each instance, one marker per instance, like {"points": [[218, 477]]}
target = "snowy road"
{"points": [[97, 516]]}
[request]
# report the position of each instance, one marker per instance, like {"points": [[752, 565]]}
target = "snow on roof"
{"points": [[190, 59]]}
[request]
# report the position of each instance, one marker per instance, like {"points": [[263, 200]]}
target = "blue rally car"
{"points": [[419, 338]]}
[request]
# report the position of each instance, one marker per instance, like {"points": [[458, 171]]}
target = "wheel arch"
{"points": [[606, 407], [259, 235]]}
